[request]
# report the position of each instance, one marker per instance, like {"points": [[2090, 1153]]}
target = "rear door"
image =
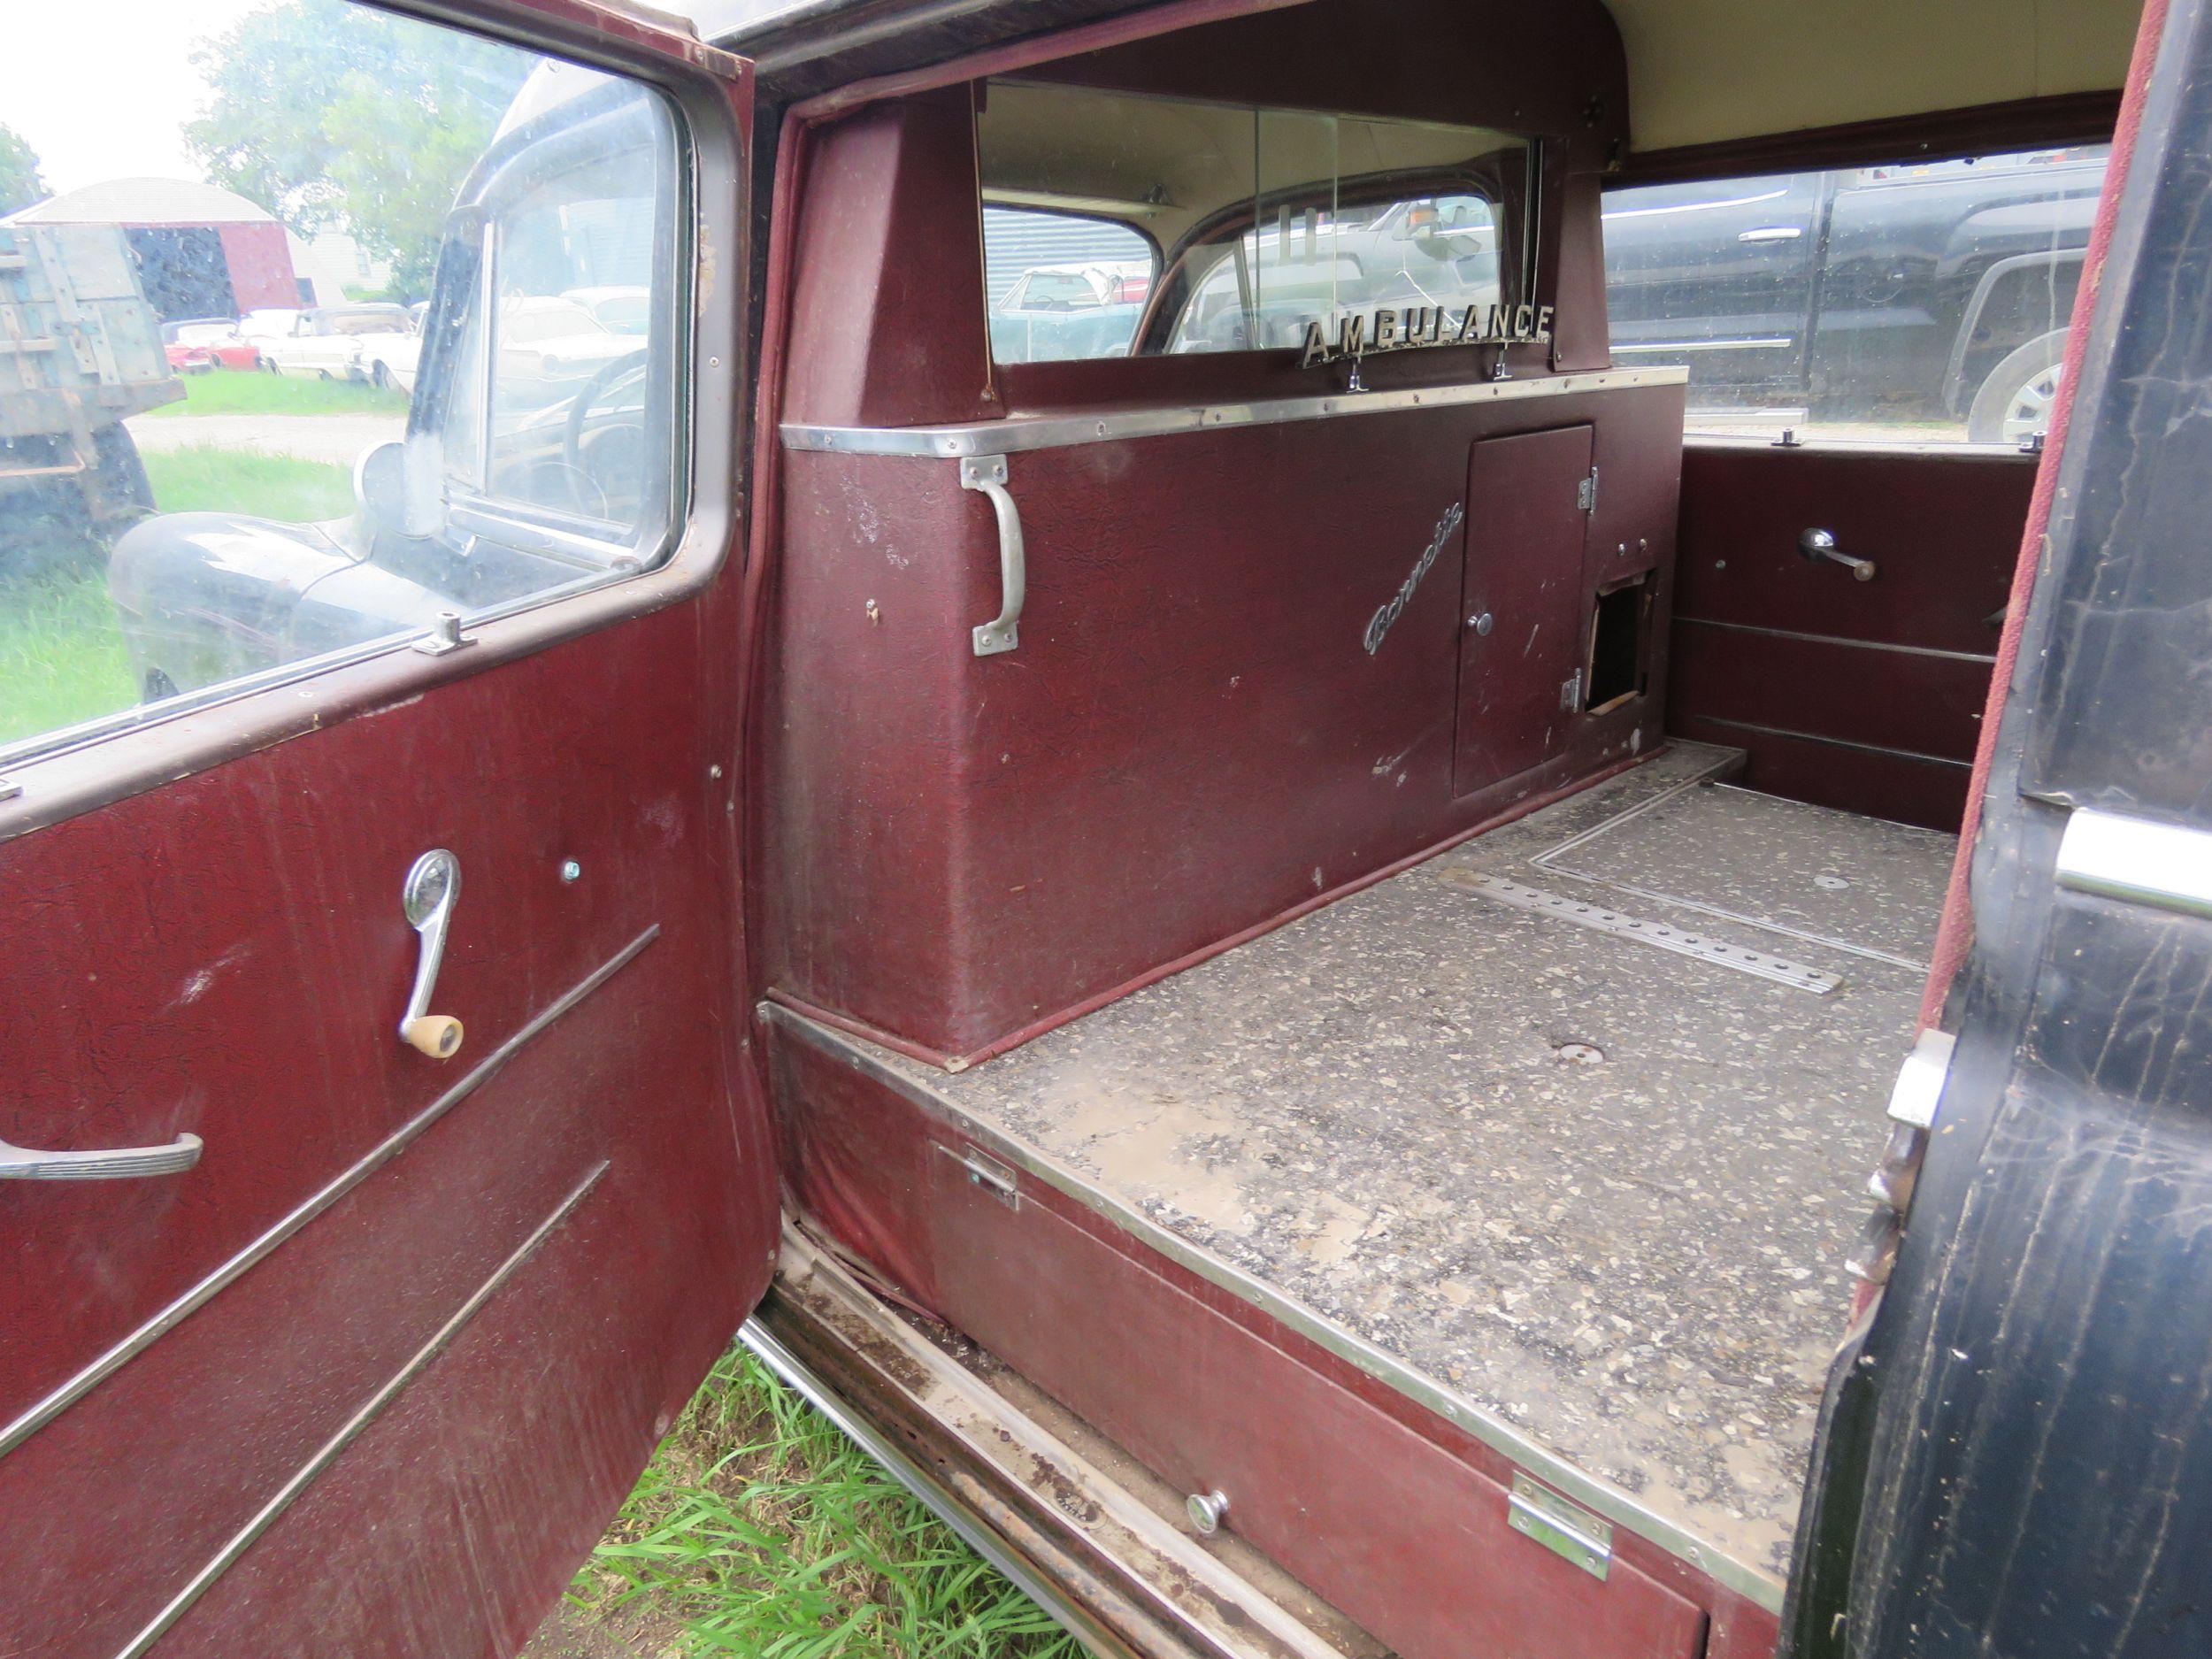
{"points": [[363, 1228]]}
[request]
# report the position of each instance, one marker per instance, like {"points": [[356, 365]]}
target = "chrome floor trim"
{"points": [[1016, 433], [1548, 861], [1583, 913], [1591, 1491], [915, 1478], [45, 1410], [367, 1413]]}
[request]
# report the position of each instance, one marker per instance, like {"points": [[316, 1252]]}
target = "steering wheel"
{"points": [[604, 380]]}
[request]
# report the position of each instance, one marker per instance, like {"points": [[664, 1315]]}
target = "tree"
{"points": [[21, 184], [335, 116]]}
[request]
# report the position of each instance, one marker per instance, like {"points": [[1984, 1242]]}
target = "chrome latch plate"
{"points": [[1566, 1529], [989, 1175]]}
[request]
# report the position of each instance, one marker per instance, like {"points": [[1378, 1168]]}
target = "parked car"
{"points": [[1929, 291], [204, 343], [325, 343], [1068, 310], [549, 344], [388, 357], [625, 307], [266, 323]]}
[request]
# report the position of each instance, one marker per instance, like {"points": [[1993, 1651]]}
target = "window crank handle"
{"points": [[433, 887], [1816, 545]]}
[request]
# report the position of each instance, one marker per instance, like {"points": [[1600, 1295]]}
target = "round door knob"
{"points": [[1481, 624], [1205, 1510]]}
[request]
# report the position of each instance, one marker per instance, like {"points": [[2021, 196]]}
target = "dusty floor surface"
{"points": [[1602, 1189]]}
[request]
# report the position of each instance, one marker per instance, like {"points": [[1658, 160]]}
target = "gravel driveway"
{"points": [[335, 439]]}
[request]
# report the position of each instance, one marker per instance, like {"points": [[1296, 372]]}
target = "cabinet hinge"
{"points": [[1587, 492]]}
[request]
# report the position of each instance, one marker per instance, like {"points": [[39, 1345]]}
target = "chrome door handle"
{"points": [[1772, 233], [432, 888], [21, 1163], [987, 473]]}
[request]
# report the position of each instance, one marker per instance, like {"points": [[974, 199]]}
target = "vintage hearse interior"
{"points": [[1272, 826]]}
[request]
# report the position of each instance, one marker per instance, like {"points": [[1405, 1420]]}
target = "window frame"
{"points": [[56, 775]]}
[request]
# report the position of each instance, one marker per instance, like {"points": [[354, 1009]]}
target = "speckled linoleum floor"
{"points": [[1601, 1190]]}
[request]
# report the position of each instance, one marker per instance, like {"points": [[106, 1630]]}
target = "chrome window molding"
{"points": [[1019, 433]]}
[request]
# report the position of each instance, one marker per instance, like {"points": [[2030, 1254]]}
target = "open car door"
{"points": [[380, 1175]]}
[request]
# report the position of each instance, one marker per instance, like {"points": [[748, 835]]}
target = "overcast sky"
{"points": [[101, 88]]}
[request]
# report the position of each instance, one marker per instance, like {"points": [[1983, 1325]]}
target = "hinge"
{"points": [[1571, 693], [1566, 1529], [1587, 492]]}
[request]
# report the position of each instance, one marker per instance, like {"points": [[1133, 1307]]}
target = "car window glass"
{"points": [[280, 466], [1117, 224], [1919, 302]]}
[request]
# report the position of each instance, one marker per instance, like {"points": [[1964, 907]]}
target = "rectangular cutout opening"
{"points": [[1616, 646]]}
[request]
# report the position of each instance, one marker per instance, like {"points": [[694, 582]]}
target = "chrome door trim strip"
{"points": [[1018, 433], [67, 1393], [1981, 659], [351, 1430], [1608, 1500], [915, 1475], [2112, 856]]}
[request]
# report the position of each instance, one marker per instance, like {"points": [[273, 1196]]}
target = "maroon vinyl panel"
{"points": [[1192, 739], [1863, 695], [1389, 1512], [226, 955], [1523, 606], [371, 1377]]}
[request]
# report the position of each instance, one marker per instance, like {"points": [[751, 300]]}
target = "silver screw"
{"points": [[570, 870], [1481, 624]]}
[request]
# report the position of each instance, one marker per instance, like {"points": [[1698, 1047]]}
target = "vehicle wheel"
{"points": [[381, 377], [159, 686], [324, 374], [266, 366], [121, 489], [45, 533], [2014, 402]]}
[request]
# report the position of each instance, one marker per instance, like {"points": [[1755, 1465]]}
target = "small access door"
{"points": [[1520, 654], [380, 1174]]}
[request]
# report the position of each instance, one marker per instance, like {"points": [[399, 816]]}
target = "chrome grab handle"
{"points": [[1816, 545], [1772, 233], [21, 1163], [432, 888], [1001, 633]]}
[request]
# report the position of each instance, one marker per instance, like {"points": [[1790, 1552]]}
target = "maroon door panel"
{"points": [[226, 955], [1861, 694], [1521, 614], [369, 1378]]}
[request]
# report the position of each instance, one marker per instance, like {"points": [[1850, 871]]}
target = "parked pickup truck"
{"points": [[82, 352], [1929, 292]]}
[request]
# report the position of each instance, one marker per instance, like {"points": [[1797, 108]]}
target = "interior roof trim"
{"points": [[1938, 134], [1018, 433]]}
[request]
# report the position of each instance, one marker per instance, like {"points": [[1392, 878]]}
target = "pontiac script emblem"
{"points": [[1379, 623]]}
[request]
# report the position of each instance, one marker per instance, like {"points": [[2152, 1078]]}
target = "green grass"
{"points": [[61, 655], [759, 1529], [198, 479], [236, 392], [61, 658]]}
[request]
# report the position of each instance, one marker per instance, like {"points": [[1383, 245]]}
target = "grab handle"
{"points": [[1003, 632], [22, 1164]]}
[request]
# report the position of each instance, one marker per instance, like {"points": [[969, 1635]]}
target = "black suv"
{"points": [[1925, 293]]}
